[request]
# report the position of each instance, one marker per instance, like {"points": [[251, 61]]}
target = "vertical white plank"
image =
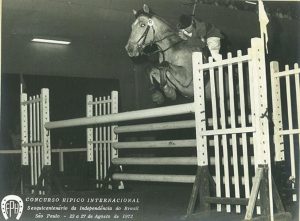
{"points": [[105, 139], [38, 138], [262, 142], [243, 124], [100, 138], [41, 130], [34, 127], [224, 137], [89, 130], [216, 137], [45, 133], [290, 125], [253, 97], [234, 137], [297, 87], [199, 102], [114, 138], [277, 111], [96, 145], [114, 110], [108, 134], [61, 161], [24, 129], [31, 148]]}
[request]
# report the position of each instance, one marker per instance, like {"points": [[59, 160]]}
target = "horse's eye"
{"points": [[142, 25]]}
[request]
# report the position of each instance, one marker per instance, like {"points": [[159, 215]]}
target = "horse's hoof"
{"points": [[170, 92], [158, 98]]}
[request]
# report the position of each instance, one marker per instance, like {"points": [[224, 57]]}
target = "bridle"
{"points": [[143, 38]]}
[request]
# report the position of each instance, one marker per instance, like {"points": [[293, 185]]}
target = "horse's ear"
{"points": [[146, 8], [134, 12]]}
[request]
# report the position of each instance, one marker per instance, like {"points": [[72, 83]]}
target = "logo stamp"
{"points": [[12, 207]]}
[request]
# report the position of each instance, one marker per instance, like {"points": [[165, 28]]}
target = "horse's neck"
{"points": [[166, 37]]}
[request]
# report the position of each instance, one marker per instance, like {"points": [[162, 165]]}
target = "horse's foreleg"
{"points": [[170, 91], [158, 97]]}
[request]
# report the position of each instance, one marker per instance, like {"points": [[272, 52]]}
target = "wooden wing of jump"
{"points": [[101, 137], [286, 119], [35, 139], [236, 101]]}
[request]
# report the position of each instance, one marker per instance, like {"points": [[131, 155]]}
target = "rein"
{"points": [[160, 50]]}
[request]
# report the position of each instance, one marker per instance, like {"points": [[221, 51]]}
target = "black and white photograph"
{"points": [[149, 110]]}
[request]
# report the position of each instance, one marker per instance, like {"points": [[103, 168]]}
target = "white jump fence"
{"points": [[35, 139], [101, 137], [286, 118], [232, 134]]}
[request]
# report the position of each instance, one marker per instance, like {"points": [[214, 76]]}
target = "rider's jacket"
{"points": [[202, 31]]}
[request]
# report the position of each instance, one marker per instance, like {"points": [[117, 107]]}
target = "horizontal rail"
{"points": [[154, 177], [155, 126], [227, 200], [193, 144], [68, 150], [228, 131], [168, 126], [37, 100], [155, 161], [289, 132], [166, 144], [287, 73], [125, 116], [155, 144], [99, 102], [161, 178], [224, 62], [100, 142], [10, 151], [169, 161], [31, 144]]}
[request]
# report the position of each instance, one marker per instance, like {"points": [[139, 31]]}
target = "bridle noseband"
{"points": [[143, 38]]}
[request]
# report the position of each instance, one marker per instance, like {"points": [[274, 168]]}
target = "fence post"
{"points": [[114, 136], [262, 154], [89, 130], [24, 140], [114, 110], [24, 130], [45, 139], [277, 113], [201, 184]]}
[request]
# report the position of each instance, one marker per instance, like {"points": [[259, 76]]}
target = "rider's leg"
{"points": [[214, 45]]}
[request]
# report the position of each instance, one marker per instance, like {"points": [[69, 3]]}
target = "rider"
{"points": [[194, 30]]}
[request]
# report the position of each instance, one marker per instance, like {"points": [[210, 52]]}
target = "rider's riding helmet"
{"points": [[185, 21]]}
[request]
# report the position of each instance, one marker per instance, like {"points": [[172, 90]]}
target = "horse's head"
{"points": [[142, 32]]}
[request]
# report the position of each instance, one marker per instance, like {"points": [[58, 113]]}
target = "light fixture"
{"points": [[51, 41]]}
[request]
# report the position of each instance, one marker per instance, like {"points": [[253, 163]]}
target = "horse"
{"points": [[174, 71]]}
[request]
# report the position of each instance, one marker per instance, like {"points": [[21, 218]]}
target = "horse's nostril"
{"points": [[128, 48]]}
